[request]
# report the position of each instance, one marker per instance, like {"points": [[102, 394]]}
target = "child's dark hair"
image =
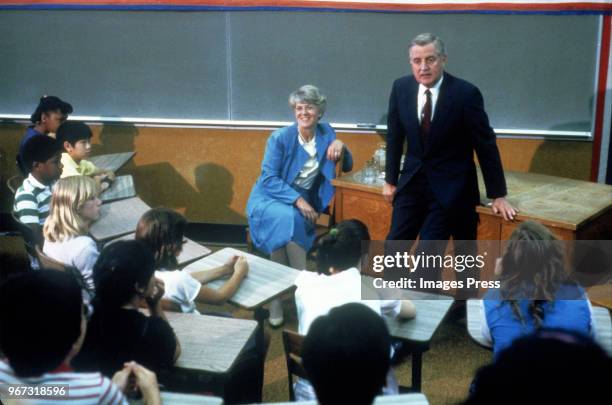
{"points": [[72, 132], [39, 148], [346, 355], [40, 320], [162, 230], [50, 103], [341, 247], [120, 268]]}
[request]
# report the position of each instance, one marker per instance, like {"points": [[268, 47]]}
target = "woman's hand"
{"points": [[334, 150], [306, 209]]}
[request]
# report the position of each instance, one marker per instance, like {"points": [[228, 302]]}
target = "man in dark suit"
{"points": [[443, 121]]}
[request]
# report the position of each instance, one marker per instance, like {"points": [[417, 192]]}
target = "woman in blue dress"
{"points": [[295, 184]]}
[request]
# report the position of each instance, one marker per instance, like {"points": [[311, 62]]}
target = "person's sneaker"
{"points": [[276, 318]]}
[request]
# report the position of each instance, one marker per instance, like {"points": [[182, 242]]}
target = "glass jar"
{"points": [[369, 172], [380, 157]]}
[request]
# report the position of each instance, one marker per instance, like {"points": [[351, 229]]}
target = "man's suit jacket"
{"points": [[459, 127]]}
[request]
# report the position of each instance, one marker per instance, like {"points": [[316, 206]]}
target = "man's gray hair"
{"points": [[426, 39], [308, 94]]}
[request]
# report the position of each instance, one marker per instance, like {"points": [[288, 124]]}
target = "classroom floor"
{"points": [[448, 367]]}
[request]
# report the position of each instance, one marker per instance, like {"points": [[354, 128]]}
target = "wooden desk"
{"points": [[266, 280], [416, 333], [175, 398], [118, 218], [209, 343], [602, 326], [404, 399], [572, 209], [112, 161]]}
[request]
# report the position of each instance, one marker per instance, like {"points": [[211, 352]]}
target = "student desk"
{"points": [[572, 209], [209, 343], [602, 325], [404, 399], [118, 218], [174, 398], [265, 281], [210, 346], [112, 161], [417, 333]]}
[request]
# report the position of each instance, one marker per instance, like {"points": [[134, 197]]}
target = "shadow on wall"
{"points": [[571, 159], [215, 188]]}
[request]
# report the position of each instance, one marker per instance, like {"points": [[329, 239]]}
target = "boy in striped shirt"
{"points": [[41, 334], [42, 160]]}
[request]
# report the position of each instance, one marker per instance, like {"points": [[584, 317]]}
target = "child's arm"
{"points": [[209, 296], [206, 276]]}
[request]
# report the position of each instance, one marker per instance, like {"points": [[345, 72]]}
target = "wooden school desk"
{"points": [[572, 209], [404, 399], [265, 281], [118, 218], [210, 345], [416, 333], [175, 398]]}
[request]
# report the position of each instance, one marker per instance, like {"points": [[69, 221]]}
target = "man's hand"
{"points": [[388, 192], [306, 210], [502, 206]]}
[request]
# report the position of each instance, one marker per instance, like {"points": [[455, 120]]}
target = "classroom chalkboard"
{"points": [[535, 71]]}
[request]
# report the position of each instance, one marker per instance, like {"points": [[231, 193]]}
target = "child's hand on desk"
{"points": [[135, 380], [229, 265], [241, 268]]}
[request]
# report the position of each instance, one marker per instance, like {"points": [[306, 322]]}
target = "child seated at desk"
{"points": [[74, 207], [535, 291], [42, 327], [338, 282], [48, 116], [118, 331], [75, 137], [163, 231], [41, 158], [346, 355]]}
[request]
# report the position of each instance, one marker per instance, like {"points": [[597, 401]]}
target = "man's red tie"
{"points": [[426, 116]]}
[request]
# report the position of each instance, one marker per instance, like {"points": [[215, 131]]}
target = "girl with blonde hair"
{"points": [[74, 207]]}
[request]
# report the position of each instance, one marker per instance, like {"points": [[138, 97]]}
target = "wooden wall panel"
{"points": [[207, 173]]}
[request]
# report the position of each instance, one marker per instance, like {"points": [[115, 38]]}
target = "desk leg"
{"points": [[417, 363], [260, 314]]}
